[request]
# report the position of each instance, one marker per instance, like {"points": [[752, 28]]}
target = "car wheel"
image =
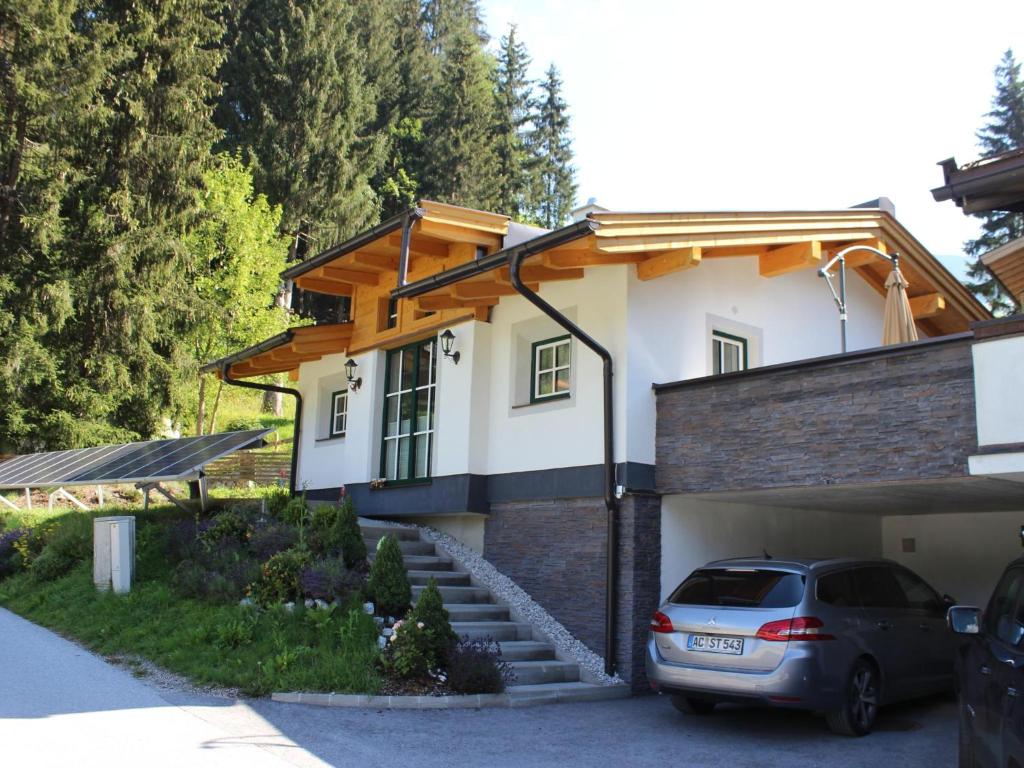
{"points": [[857, 717], [965, 751], [691, 706]]}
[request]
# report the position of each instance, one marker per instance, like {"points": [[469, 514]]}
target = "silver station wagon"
{"points": [[838, 636]]}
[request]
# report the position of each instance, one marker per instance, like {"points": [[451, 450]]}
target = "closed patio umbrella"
{"points": [[899, 325]]}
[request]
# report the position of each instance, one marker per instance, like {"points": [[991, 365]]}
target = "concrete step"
{"points": [[456, 594], [545, 671], [372, 531], [526, 650], [443, 578], [549, 693], [476, 612], [407, 547], [422, 562], [495, 630]]}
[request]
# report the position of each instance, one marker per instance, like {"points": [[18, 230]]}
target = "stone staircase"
{"points": [[540, 674]]}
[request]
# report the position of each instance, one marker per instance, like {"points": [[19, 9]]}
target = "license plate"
{"points": [[715, 644]]}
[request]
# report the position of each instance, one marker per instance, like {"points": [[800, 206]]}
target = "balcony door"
{"points": [[409, 396]]}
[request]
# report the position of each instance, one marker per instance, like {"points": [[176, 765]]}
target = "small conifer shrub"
{"points": [[389, 584]]}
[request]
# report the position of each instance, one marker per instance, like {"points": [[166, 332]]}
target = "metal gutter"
{"points": [[225, 372], [513, 258], [502, 258], [354, 244], [285, 337]]}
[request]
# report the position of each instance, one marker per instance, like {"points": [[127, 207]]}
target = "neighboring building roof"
{"points": [[1007, 263], [458, 269], [990, 184]]}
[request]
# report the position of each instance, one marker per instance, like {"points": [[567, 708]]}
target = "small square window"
{"points": [[728, 353], [339, 414], [552, 369]]}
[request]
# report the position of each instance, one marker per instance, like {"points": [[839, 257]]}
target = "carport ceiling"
{"points": [[967, 494]]}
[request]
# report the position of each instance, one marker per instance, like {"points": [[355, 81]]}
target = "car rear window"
{"points": [[743, 587]]}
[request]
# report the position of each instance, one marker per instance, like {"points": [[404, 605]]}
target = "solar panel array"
{"points": [[151, 461]]}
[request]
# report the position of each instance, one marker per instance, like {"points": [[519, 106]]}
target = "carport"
{"points": [[913, 452]]}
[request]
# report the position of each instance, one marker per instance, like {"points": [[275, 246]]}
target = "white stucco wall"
{"points": [[787, 318], [998, 382], [959, 554], [695, 532], [561, 433]]}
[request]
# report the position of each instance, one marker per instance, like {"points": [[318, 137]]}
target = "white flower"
{"points": [[419, 625]]}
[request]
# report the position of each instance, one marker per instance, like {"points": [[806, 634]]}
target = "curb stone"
{"points": [[471, 701]]}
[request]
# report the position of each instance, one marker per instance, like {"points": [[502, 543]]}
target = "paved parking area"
{"points": [[60, 706]]}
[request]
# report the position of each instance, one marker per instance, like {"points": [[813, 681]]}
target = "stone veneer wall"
{"points": [[555, 550], [897, 413]]}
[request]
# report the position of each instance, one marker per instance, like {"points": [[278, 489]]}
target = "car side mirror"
{"points": [[964, 619]]}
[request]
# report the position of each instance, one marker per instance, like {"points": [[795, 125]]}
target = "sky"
{"points": [[705, 106]]}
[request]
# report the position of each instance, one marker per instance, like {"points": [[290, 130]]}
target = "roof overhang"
{"points": [[1007, 264], [991, 184], [662, 243], [284, 352], [438, 232]]}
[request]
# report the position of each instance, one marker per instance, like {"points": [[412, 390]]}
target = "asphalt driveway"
{"points": [[60, 705]]}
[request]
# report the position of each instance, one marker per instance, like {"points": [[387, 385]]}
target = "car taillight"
{"points": [[799, 628], [661, 623]]}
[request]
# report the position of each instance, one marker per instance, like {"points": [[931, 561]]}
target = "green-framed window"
{"points": [[409, 396], [339, 414], [551, 369], [728, 353]]}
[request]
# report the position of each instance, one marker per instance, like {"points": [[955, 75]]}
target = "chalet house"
{"points": [[601, 408]]}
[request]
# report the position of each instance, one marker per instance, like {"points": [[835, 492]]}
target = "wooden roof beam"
{"points": [[731, 251], [790, 258], [858, 258], [455, 234], [559, 259], [321, 285], [437, 303], [536, 273], [350, 275], [479, 290], [928, 305], [380, 262], [668, 262]]}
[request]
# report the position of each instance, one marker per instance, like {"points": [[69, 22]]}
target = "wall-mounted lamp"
{"points": [[350, 369], [447, 340]]}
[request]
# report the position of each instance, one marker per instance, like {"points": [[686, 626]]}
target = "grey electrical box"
{"points": [[113, 553]]}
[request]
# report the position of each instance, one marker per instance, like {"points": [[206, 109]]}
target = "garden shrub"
{"points": [[189, 579], [281, 576], [475, 666], [327, 579], [66, 543], [430, 612], [241, 424], [277, 500], [228, 526], [407, 654], [389, 584], [269, 540], [10, 557], [296, 512], [182, 539]]}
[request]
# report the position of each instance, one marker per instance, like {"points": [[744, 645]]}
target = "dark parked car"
{"points": [[836, 636], [990, 667]]}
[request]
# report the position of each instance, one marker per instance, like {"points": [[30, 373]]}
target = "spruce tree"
{"points": [[1003, 132], [122, 144], [459, 144], [551, 144], [512, 114]]}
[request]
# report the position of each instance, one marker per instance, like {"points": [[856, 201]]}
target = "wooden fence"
{"points": [[259, 466]]}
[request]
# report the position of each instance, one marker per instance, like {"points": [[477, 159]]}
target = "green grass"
{"points": [[256, 651]]}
